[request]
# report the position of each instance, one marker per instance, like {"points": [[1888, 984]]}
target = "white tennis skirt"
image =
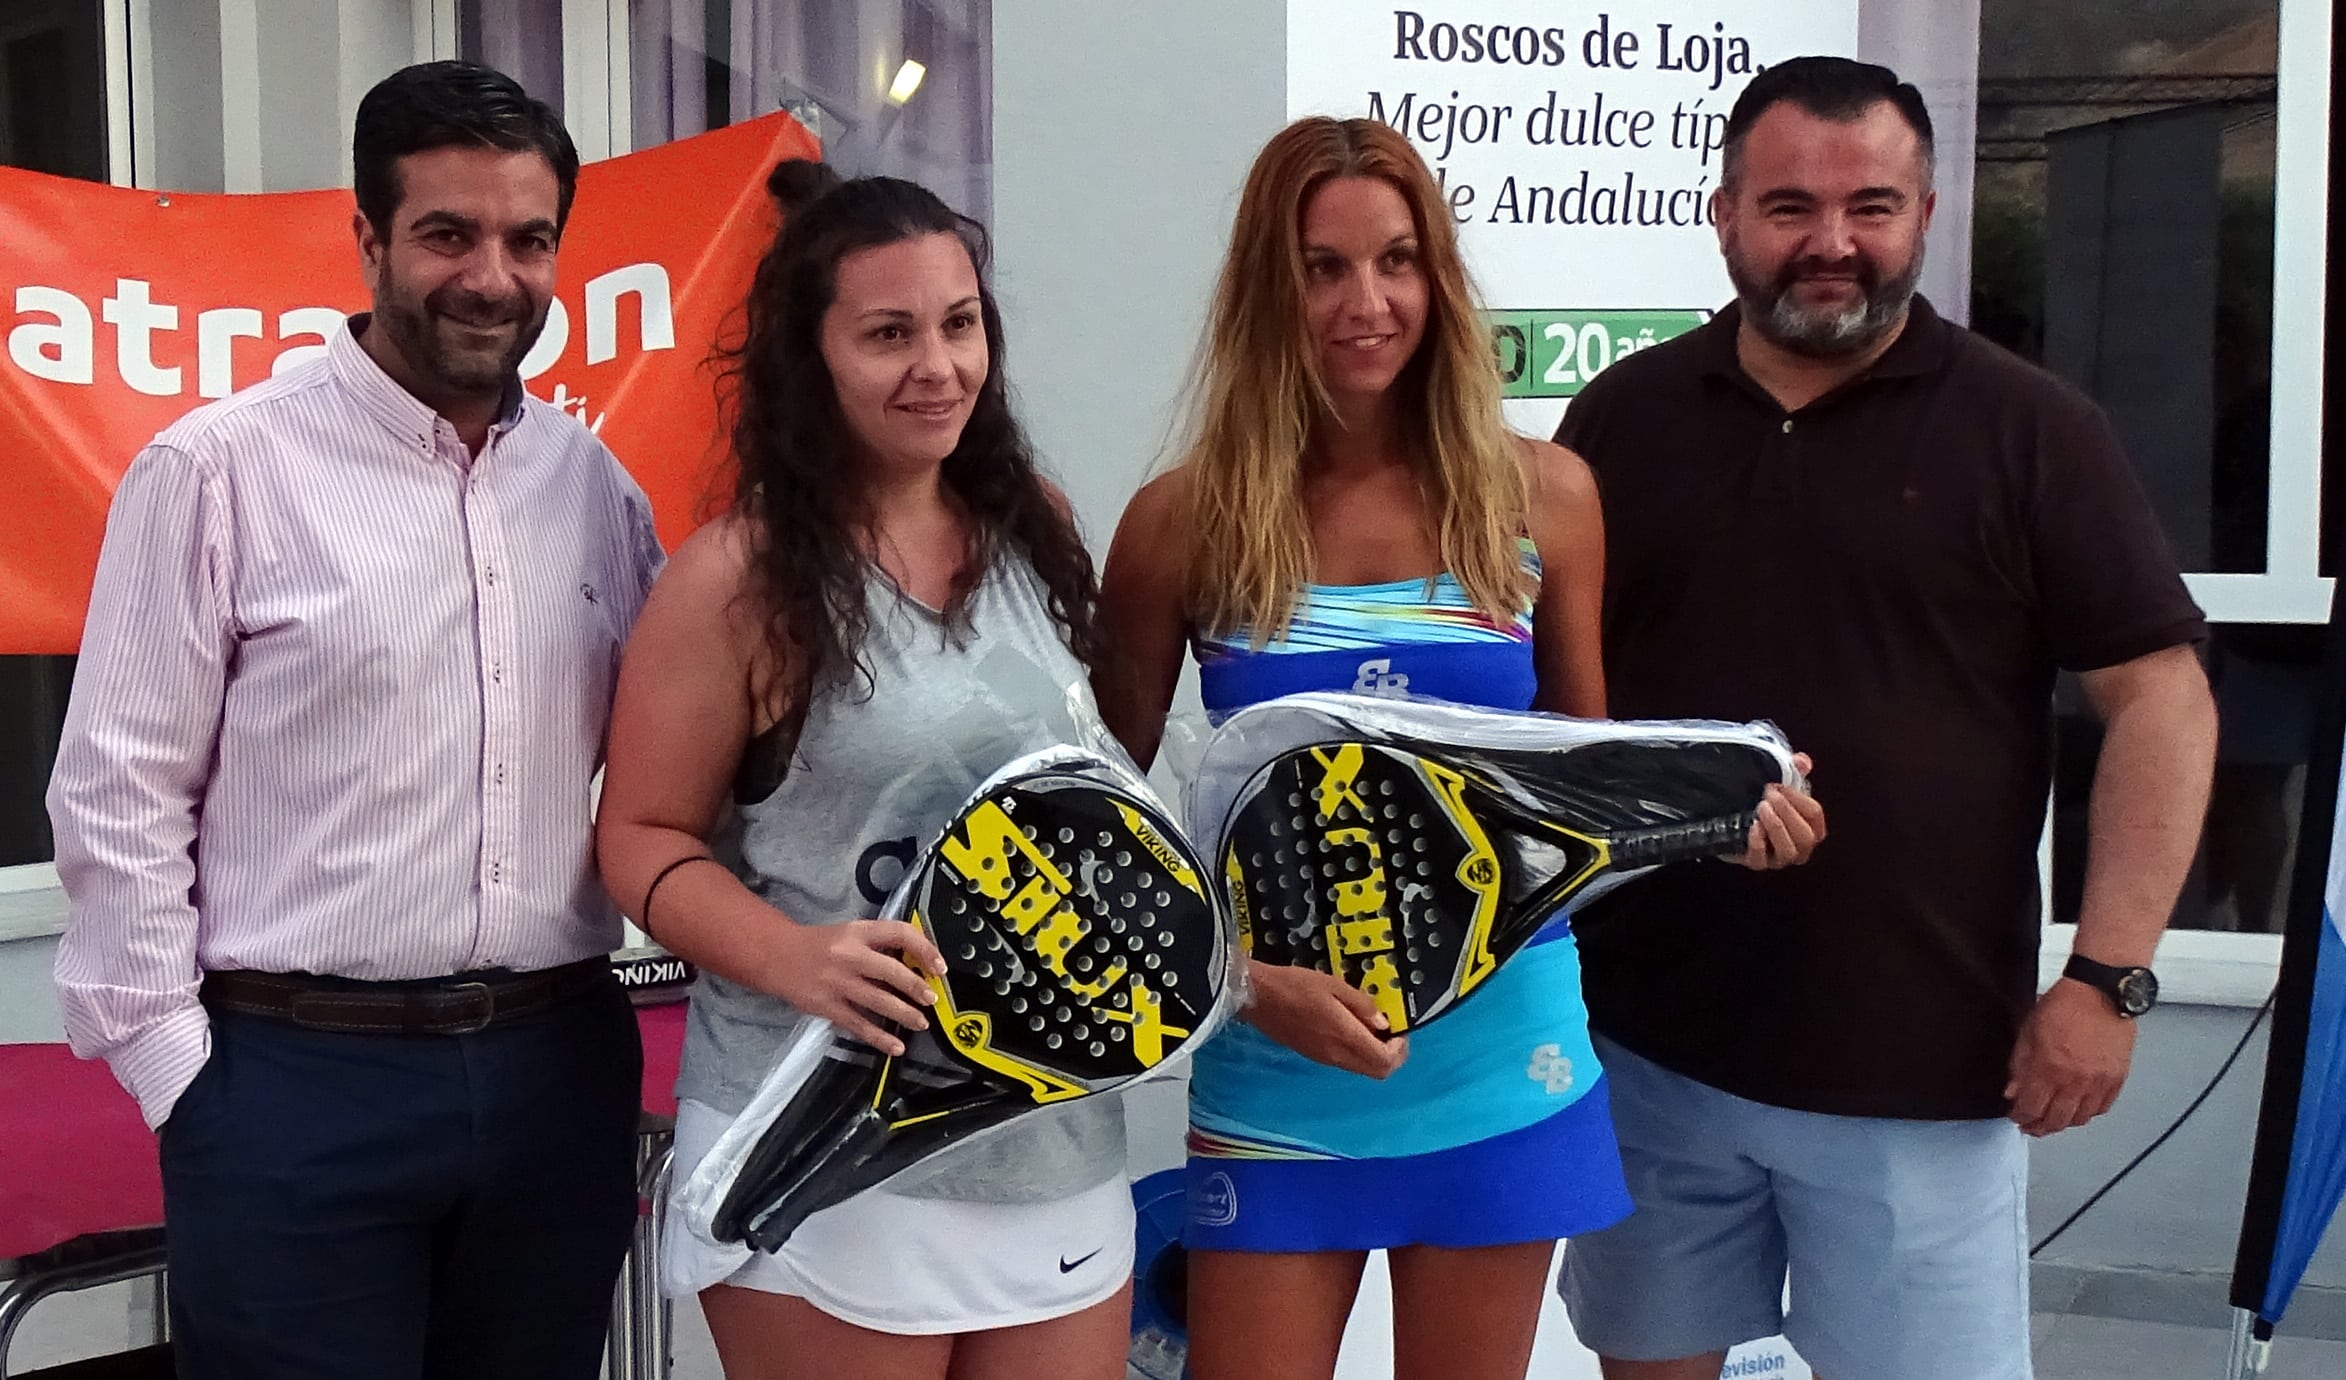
{"points": [[923, 1266]]}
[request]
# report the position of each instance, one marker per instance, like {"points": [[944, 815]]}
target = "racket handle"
{"points": [[839, 1156], [1669, 843]]}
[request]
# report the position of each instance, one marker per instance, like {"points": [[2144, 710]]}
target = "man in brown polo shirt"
{"points": [[1832, 508]]}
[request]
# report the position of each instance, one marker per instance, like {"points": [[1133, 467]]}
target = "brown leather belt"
{"points": [[458, 1005]]}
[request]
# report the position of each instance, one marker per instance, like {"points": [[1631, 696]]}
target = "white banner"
{"points": [[1578, 145]]}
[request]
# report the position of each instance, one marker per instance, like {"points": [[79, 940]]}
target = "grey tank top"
{"points": [[874, 777]]}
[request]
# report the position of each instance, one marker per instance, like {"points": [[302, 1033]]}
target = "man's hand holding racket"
{"points": [[1323, 1018], [1789, 826], [858, 976]]}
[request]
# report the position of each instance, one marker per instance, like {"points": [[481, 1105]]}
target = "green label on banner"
{"points": [[1553, 354]]}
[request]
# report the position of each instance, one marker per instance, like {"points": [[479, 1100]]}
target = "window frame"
{"points": [[2217, 967], [2291, 588], [32, 900]]}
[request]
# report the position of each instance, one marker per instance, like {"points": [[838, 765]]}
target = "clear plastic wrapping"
{"points": [[1087, 949], [1410, 845]]}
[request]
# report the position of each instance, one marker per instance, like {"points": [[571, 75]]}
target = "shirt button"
{"points": [[1788, 426], [489, 573], [499, 778], [497, 674]]}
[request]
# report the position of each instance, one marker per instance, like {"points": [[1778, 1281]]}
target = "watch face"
{"points": [[2138, 992]]}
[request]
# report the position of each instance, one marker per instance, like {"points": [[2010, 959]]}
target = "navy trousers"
{"points": [[403, 1207]]}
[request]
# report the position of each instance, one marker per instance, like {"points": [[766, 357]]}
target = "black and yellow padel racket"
{"points": [[1412, 870], [1083, 950]]}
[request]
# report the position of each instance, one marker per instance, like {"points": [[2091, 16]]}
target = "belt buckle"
{"points": [[488, 1008]]}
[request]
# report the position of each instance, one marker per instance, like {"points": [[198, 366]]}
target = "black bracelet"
{"points": [[643, 920]]}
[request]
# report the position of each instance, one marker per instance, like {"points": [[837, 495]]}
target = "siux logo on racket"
{"points": [[1413, 872], [1081, 950], [1093, 934]]}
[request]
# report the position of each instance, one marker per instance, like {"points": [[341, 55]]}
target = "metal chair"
{"points": [[85, 1262], [641, 1343]]}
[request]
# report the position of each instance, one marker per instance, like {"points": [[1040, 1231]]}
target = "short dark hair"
{"points": [[435, 105], [1830, 88]]}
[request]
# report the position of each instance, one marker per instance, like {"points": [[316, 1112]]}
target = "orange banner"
{"points": [[127, 308]]}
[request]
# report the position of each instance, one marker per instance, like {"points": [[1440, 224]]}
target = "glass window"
{"points": [[2123, 237], [2267, 679], [52, 120]]}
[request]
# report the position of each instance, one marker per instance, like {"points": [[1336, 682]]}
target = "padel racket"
{"points": [[1413, 870], [1083, 949]]}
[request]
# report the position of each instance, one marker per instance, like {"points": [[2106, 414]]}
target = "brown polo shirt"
{"points": [[1893, 574]]}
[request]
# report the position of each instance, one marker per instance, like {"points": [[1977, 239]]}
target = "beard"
{"points": [[429, 334], [1824, 332]]}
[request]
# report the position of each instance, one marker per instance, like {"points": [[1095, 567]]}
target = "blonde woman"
{"points": [[1354, 514]]}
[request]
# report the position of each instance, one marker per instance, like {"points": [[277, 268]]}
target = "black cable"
{"points": [[2174, 1126]]}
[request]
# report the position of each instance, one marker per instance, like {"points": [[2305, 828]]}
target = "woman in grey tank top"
{"points": [[896, 605]]}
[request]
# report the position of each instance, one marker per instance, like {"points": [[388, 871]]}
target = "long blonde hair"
{"points": [[1261, 393]]}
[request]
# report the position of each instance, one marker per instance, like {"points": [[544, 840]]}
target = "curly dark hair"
{"points": [[799, 482]]}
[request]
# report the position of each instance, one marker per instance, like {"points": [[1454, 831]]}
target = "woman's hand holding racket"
{"points": [[1323, 1018], [860, 976], [1087, 952]]}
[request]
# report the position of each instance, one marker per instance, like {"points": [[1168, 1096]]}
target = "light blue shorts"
{"points": [[1906, 1242]]}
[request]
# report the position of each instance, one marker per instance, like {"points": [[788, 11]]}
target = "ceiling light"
{"points": [[908, 78]]}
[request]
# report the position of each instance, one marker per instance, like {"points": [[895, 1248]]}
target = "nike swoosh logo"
{"points": [[1067, 1266]]}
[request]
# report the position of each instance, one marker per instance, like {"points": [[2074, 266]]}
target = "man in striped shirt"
{"points": [[322, 804]]}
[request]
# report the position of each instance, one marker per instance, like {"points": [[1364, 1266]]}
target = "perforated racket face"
{"points": [[1082, 949], [1374, 864], [1081, 946]]}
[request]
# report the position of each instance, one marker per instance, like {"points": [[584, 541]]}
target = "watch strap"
{"points": [[2103, 975], [2110, 980]]}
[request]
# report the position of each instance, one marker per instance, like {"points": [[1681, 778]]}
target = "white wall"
{"points": [[1934, 44], [28, 998], [1104, 274]]}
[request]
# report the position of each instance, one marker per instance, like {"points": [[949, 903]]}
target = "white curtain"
{"points": [[521, 38], [699, 64]]}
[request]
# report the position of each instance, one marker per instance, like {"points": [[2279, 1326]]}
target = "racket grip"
{"points": [[1669, 843], [841, 1154]]}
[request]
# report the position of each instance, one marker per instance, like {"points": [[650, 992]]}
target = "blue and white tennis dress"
{"points": [[1495, 1129]]}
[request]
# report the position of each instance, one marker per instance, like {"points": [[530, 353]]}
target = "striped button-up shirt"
{"points": [[340, 703]]}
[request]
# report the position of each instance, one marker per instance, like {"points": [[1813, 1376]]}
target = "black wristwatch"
{"points": [[2132, 990]]}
